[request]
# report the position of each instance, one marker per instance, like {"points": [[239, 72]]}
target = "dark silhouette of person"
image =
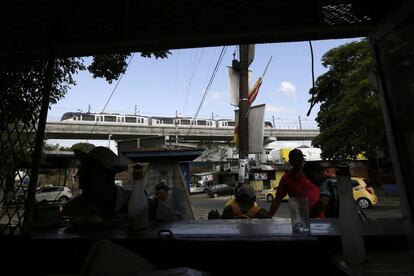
{"points": [[100, 196]]}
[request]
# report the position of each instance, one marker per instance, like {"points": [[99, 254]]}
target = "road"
{"points": [[202, 204]]}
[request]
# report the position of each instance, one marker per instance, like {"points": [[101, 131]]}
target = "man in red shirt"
{"points": [[295, 184]]}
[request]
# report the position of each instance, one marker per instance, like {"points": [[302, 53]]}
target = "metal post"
{"points": [[243, 105], [31, 192]]}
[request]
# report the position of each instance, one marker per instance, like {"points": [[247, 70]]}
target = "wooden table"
{"points": [[253, 247]]}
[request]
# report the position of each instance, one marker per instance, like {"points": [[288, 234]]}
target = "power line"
{"points": [[312, 101], [213, 75], [223, 51], [191, 79], [113, 91]]}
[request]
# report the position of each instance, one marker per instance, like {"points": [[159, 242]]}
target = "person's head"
{"points": [[329, 172], [246, 194], [314, 172], [296, 159], [97, 170], [162, 191]]}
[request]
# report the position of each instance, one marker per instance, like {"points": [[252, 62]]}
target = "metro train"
{"points": [[115, 118]]}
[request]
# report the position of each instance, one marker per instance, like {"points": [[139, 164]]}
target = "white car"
{"points": [[54, 193], [196, 188]]}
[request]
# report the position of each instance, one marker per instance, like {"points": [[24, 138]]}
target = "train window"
{"points": [[231, 123], [185, 122], [131, 119], [169, 121], [110, 118], [208, 123], [201, 122], [88, 117]]}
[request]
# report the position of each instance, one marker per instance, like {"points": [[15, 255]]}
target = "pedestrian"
{"points": [[314, 172], [329, 197], [100, 197], [295, 184], [157, 205]]}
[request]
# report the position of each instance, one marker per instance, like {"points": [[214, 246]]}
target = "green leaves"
{"points": [[111, 67], [350, 117]]}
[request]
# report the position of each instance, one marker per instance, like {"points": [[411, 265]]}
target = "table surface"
{"points": [[233, 229]]}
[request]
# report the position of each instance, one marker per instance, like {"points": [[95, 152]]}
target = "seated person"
{"points": [[244, 206], [233, 199], [101, 198], [157, 206]]}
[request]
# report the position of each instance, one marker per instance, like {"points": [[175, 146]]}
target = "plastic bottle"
{"points": [[138, 208]]}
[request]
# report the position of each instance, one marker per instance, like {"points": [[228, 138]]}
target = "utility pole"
{"points": [[273, 120], [135, 110], [300, 123], [243, 108], [176, 127]]}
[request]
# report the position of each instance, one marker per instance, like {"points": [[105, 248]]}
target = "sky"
{"points": [[164, 87]]}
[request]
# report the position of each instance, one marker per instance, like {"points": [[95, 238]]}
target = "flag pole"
{"points": [[264, 72], [267, 66]]}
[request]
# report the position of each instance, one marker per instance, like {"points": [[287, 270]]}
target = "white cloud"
{"points": [[288, 89], [278, 109], [215, 96]]}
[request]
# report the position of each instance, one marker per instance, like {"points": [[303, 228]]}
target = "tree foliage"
{"points": [[111, 67], [23, 81], [350, 117]]}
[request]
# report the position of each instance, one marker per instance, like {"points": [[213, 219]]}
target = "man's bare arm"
{"points": [[275, 205]]}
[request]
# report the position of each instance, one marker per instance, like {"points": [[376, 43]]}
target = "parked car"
{"points": [[365, 196], [196, 188], [220, 189], [54, 193]]}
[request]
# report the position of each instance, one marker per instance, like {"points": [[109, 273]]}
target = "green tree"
{"points": [[350, 117]]}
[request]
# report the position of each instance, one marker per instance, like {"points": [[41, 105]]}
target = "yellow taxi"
{"points": [[270, 194], [363, 195]]}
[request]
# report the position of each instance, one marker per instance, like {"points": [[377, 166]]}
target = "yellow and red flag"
{"points": [[254, 91]]}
